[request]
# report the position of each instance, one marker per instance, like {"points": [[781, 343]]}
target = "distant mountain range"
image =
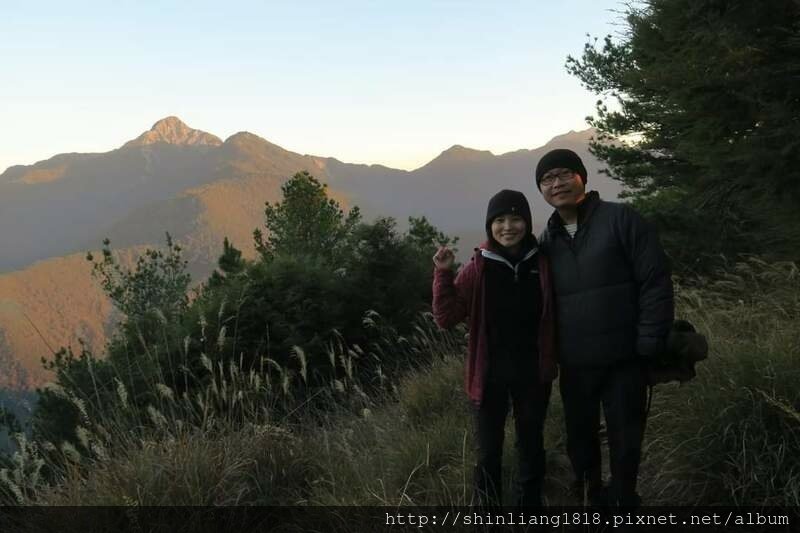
{"points": [[202, 189]]}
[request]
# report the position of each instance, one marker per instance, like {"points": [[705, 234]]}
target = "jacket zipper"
{"points": [[491, 255]]}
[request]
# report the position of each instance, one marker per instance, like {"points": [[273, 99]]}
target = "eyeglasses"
{"points": [[564, 176]]}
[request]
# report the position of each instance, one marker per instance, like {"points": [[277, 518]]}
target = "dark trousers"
{"points": [[530, 402], [622, 390]]}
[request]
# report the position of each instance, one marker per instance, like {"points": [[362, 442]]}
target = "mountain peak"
{"points": [[170, 124], [172, 130], [458, 150], [460, 154], [244, 137], [581, 137]]}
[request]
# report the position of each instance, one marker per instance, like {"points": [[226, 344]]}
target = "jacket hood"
{"points": [[528, 244]]}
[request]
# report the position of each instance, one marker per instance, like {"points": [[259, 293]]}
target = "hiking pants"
{"points": [[622, 391], [529, 402]]}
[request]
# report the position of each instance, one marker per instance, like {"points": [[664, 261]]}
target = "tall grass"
{"points": [[732, 435], [245, 437]]}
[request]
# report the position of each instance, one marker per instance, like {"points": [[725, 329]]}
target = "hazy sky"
{"points": [[374, 82]]}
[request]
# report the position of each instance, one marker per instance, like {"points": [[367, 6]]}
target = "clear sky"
{"points": [[363, 81]]}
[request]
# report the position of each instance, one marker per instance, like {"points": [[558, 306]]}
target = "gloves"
{"points": [[650, 347]]}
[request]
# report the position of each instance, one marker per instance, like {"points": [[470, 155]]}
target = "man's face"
{"points": [[562, 188]]}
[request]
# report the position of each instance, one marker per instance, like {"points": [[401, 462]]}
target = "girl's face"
{"points": [[508, 230]]}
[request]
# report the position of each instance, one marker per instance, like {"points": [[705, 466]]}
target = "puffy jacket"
{"points": [[462, 297], [612, 285]]}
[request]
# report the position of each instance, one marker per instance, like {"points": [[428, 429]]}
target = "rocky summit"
{"points": [[172, 130]]}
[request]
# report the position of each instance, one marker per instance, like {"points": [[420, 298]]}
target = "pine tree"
{"points": [[230, 264], [306, 222], [707, 94]]}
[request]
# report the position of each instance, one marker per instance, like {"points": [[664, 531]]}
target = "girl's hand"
{"points": [[444, 259]]}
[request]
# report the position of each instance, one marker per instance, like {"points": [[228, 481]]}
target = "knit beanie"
{"points": [[504, 203], [559, 158]]}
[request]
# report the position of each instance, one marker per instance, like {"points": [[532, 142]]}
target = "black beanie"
{"points": [[559, 158], [508, 202]]}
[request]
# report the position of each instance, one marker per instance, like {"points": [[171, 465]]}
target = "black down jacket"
{"points": [[612, 285]]}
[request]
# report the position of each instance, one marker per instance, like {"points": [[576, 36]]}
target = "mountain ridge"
{"points": [[202, 193]]}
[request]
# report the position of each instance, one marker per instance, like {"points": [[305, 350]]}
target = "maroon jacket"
{"points": [[455, 300]]}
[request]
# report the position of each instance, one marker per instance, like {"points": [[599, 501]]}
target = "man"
{"points": [[614, 308]]}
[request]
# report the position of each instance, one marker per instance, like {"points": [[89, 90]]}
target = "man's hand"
{"points": [[650, 347], [444, 259]]}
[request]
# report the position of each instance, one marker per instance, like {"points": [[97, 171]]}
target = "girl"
{"points": [[504, 293]]}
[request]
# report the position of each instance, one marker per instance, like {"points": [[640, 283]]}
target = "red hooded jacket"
{"points": [[462, 296]]}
